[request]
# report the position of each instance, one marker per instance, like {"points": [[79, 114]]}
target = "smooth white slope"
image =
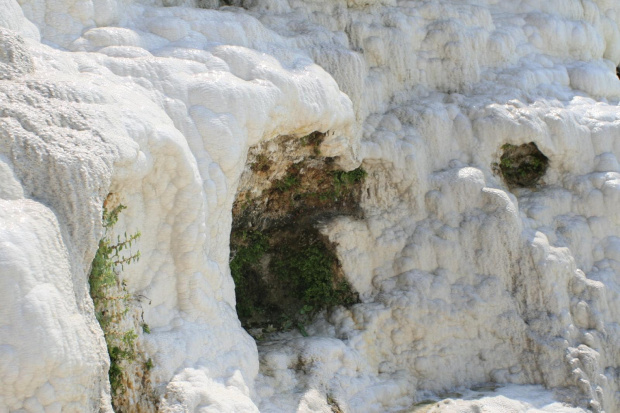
{"points": [[51, 356]]}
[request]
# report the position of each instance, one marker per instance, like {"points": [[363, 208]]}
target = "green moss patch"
{"points": [[522, 166]]}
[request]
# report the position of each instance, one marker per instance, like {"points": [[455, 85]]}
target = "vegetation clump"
{"points": [[344, 180], [522, 166], [309, 271], [285, 271], [246, 272], [113, 304], [284, 276]]}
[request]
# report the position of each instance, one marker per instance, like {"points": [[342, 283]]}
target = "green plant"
{"points": [[284, 280], [309, 271], [506, 163], [349, 178], [250, 248], [110, 296], [343, 180], [302, 329], [290, 181]]}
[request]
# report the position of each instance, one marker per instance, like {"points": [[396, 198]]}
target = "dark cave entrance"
{"points": [[285, 270]]}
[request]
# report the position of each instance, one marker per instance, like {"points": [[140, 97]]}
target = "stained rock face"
{"points": [[464, 280]]}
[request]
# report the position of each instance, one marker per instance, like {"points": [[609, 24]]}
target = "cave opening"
{"points": [[522, 166], [285, 270]]}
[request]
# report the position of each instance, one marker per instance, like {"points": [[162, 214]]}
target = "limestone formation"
{"points": [[473, 291]]}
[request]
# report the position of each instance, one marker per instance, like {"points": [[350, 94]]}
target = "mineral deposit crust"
{"points": [[463, 280]]}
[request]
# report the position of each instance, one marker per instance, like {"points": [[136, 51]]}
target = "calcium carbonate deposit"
{"points": [[476, 294]]}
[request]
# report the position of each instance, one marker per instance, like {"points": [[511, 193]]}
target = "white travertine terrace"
{"points": [[463, 281]]}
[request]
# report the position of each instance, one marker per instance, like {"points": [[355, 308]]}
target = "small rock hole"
{"points": [[522, 166]]}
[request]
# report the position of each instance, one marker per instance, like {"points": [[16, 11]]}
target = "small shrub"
{"points": [[309, 271], [349, 178], [110, 296], [344, 179]]}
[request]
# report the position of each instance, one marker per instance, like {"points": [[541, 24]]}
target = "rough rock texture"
{"points": [[462, 280]]}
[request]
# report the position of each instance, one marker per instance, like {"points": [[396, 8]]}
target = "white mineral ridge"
{"points": [[463, 281], [512, 398]]}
